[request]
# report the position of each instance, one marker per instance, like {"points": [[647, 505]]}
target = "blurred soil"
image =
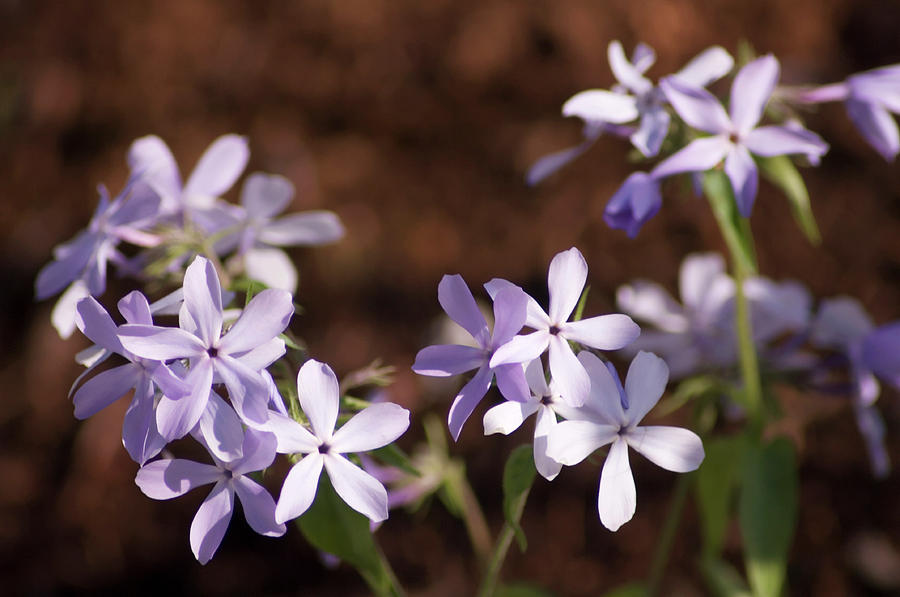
{"points": [[415, 122]]}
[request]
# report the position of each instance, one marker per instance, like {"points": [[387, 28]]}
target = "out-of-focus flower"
{"points": [[167, 479], [607, 421], [735, 136], [636, 201], [370, 428]]}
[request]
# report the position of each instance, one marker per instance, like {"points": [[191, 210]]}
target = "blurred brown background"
{"points": [[415, 122]]}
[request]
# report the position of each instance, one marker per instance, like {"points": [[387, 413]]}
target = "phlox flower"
{"points": [[609, 422], [452, 359], [167, 479], [735, 134], [139, 433], [870, 98], [636, 201], [236, 358], [259, 233], [565, 280], [371, 428]]}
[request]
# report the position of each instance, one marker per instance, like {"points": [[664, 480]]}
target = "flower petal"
{"points": [[877, 126], [744, 177], [544, 426], [507, 417], [167, 479], [551, 163], [510, 311], [699, 155], [521, 349], [203, 299], [258, 451], [299, 489], [565, 280], [266, 316], [266, 195], [535, 317], [293, 438], [219, 167], [103, 389], [63, 315], [624, 71], [780, 140], [259, 507], [360, 490], [211, 521], [222, 430], [644, 385], [135, 308], [371, 428], [601, 105], [467, 399], [881, 352], [567, 372], [319, 393], [651, 133], [511, 382], [709, 65], [696, 106], [159, 343], [444, 360], [697, 274], [570, 442], [310, 228], [457, 300], [150, 158], [617, 498], [603, 404], [650, 302], [751, 90], [246, 389], [95, 323], [673, 448], [604, 332], [175, 418], [273, 267]]}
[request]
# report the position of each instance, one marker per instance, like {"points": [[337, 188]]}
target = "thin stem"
{"points": [[393, 589], [747, 350], [473, 517], [504, 540], [667, 536]]}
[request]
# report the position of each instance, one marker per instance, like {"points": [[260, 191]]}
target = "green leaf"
{"points": [[780, 171], [518, 475], [579, 309], [722, 579], [716, 483], [768, 513], [394, 456], [735, 228], [332, 526], [289, 342]]}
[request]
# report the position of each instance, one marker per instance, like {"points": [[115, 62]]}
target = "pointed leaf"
{"points": [[780, 171], [518, 475], [735, 229], [716, 483]]}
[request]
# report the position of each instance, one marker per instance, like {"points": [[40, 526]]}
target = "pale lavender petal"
{"points": [[698, 272], [696, 106], [779, 140], [175, 418], [634, 203], [511, 382], [535, 316], [697, 156], [510, 311], [139, 433], [169, 384], [644, 385], [565, 280], [360, 490], [320, 395], [650, 302], [259, 450], [605, 332], [601, 105], [444, 360], [263, 355], [643, 57], [835, 92], [673, 448], [603, 404], [750, 92], [167, 479], [877, 126], [371, 428], [69, 263], [203, 299], [246, 389], [467, 399], [624, 71], [744, 177], [159, 343], [266, 316], [617, 498], [709, 65], [551, 163], [266, 195], [211, 521], [544, 426], [103, 389], [457, 300], [293, 438], [259, 507], [307, 228], [273, 267], [299, 489], [135, 308], [95, 323], [222, 430], [840, 322], [521, 349], [568, 373], [573, 441], [219, 167], [652, 131], [507, 417], [536, 378], [881, 352], [63, 315], [150, 158], [872, 428]]}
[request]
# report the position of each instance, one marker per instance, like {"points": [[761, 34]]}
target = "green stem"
{"points": [[667, 536], [473, 517], [504, 540], [393, 588], [748, 359]]}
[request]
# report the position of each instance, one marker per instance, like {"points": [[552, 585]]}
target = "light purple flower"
{"points": [[236, 358], [371, 428], [636, 201], [452, 359], [566, 278], [167, 479], [258, 234], [139, 433], [736, 136], [673, 448], [870, 98]]}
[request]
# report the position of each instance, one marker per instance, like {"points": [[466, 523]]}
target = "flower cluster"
{"points": [[582, 389], [711, 137]]}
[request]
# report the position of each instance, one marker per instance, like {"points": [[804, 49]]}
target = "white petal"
{"points": [[568, 272], [605, 332], [293, 438], [299, 489], [371, 428], [567, 372], [570, 442], [360, 490], [644, 385], [673, 448], [604, 403], [507, 417], [545, 424], [273, 267], [650, 302], [320, 396], [617, 498], [219, 167], [64, 311], [601, 105], [211, 521]]}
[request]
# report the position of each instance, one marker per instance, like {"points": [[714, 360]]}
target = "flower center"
{"points": [[324, 448], [212, 351], [547, 400], [554, 330]]}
